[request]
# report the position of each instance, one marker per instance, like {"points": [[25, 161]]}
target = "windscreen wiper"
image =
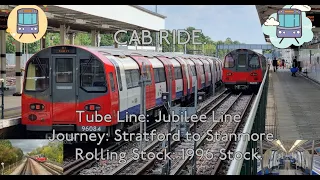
{"points": [[86, 65], [37, 59]]}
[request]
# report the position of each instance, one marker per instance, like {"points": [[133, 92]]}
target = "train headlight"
{"points": [[253, 74], [298, 32], [36, 106], [32, 107], [229, 74], [280, 32], [32, 117], [92, 107]]}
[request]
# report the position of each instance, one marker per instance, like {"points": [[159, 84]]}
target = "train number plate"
{"points": [[253, 83], [91, 128]]}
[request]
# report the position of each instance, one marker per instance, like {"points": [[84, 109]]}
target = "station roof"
{"points": [[264, 11], [103, 18]]}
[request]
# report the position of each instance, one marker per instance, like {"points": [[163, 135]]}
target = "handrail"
{"points": [[236, 164]]}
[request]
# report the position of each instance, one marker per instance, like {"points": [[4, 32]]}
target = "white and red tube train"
{"points": [[61, 80]]}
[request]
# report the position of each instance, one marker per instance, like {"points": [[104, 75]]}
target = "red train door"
{"points": [[205, 71], [190, 75], [150, 88], [63, 89], [184, 76], [197, 65], [167, 64]]}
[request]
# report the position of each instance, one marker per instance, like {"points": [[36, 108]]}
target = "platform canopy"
{"points": [[264, 11], [244, 46], [103, 18]]}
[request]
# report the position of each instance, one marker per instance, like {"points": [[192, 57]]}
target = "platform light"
{"points": [[280, 144], [295, 144]]}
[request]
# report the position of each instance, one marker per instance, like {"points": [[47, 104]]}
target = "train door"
{"points": [[185, 76], [168, 65], [122, 87], [241, 61], [63, 89], [150, 86]]}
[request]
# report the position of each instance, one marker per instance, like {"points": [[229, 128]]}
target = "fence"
{"points": [[8, 169], [2, 98], [10, 69], [254, 124]]}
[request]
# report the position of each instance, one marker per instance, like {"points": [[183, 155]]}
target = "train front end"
{"points": [[242, 70], [66, 89]]}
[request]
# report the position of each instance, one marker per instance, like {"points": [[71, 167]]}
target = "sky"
{"points": [[239, 22], [28, 145]]}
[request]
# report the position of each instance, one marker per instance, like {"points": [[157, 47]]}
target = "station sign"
{"points": [[315, 19], [3, 22]]}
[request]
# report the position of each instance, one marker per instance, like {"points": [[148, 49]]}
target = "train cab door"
{"points": [[64, 100], [242, 59]]}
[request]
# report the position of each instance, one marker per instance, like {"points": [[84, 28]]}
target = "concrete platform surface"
{"points": [[296, 105]]}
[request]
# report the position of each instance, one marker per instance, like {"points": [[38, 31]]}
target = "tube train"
{"points": [[66, 88], [40, 158], [310, 63], [302, 159], [243, 69]]}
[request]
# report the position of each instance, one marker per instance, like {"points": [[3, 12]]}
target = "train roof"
{"points": [[247, 50], [125, 52]]}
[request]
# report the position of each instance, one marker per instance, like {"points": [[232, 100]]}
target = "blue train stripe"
{"points": [[159, 102], [179, 94]]}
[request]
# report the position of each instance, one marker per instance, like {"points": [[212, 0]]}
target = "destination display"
{"points": [[315, 19], [63, 50]]}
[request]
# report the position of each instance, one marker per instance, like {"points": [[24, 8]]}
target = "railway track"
{"points": [[235, 105], [90, 167], [183, 153], [29, 169], [50, 168], [134, 166], [209, 166]]}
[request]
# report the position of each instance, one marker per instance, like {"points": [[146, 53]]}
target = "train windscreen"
{"points": [[229, 61], [37, 74], [27, 18], [254, 61], [242, 59]]}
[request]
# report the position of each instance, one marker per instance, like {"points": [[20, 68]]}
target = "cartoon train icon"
{"points": [[28, 22]]}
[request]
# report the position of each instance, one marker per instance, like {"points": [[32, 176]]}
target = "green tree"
{"points": [[53, 151], [8, 153]]}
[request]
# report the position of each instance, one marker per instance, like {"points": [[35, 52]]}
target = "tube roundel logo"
{"points": [[27, 23]]}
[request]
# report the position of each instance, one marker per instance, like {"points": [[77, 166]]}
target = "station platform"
{"points": [[12, 110], [293, 106]]}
